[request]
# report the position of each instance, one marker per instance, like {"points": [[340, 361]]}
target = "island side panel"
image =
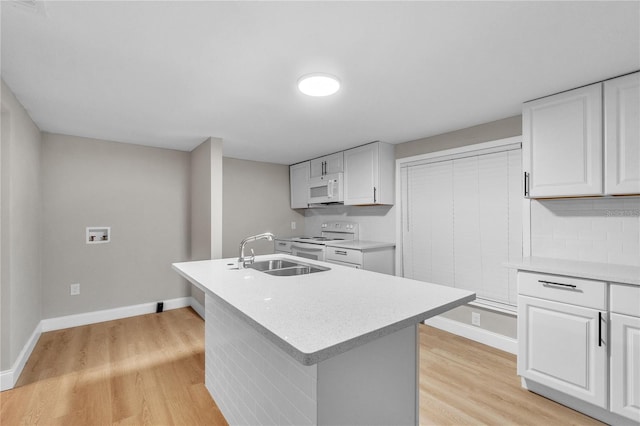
{"points": [[373, 384], [251, 380]]}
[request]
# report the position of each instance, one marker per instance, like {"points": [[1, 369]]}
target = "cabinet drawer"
{"points": [[576, 291], [283, 246], [344, 255], [625, 299]]}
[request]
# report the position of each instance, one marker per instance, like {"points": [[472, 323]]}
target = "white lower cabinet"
{"points": [[625, 366], [579, 344], [561, 347], [625, 350]]}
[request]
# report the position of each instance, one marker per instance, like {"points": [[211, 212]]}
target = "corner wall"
{"points": [[206, 209], [21, 252], [142, 193], [256, 200]]}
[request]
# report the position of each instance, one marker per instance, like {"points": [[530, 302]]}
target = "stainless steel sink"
{"points": [[268, 265], [285, 268]]}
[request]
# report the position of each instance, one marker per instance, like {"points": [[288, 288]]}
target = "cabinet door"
{"points": [[562, 143], [625, 366], [299, 182], [317, 167], [361, 175], [334, 163], [622, 135], [563, 346], [328, 164]]}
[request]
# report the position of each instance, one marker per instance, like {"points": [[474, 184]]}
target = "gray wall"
{"points": [[496, 322], [500, 129], [20, 295], [200, 159], [256, 200], [142, 193], [206, 210]]}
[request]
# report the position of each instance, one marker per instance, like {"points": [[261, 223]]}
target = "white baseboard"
{"points": [[8, 378], [480, 335], [110, 314]]}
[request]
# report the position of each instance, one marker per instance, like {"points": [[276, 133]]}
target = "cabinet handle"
{"points": [[374, 194], [599, 328], [324, 167], [342, 252], [548, 283], [526, 184]]}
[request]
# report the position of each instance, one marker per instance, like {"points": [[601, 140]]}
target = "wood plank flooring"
{"points": [[463, 382], [144, 370], [149, 370]]}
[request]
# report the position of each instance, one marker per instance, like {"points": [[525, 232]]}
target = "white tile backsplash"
{"points": [[252, 380], [603, 230], [377, 223]]}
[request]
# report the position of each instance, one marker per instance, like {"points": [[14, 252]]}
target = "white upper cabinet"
{"points": [[327, 165], [622, 134], [562, 144], [299, 182], [568, 137], [369, 174]]}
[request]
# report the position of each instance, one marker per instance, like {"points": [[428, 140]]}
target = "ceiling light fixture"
{"points": [[318, 84]]}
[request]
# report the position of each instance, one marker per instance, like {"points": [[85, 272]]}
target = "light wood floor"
{"points": [[150, 370], [463, 382], [145, 370]]}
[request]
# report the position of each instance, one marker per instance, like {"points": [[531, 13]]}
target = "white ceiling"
{"points": [[172, 73]]}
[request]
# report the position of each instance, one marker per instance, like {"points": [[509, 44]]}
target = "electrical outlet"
{"points": [[293, 225], [74, 289], [475, 318]]}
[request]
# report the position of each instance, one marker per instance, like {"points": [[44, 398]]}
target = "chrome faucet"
{"points": [[242, 260]]}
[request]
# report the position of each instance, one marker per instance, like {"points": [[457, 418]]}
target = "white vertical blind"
{"points": [[462, 220]]}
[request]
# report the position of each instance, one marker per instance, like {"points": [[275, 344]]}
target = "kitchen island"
{"points": [[332, 347]]}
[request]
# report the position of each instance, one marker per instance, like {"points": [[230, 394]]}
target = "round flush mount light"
{"points": [[318, 84]]}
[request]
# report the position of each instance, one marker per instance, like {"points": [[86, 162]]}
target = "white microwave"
{"points": [[326, 189]]}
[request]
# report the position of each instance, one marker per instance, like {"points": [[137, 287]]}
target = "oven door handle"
{"points": [[293, 247]]}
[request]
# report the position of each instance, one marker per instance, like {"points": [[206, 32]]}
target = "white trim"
{"points": [[480, 335], [498, 145], [495, 306], [8, 378], [110, 314], [197, 306]]}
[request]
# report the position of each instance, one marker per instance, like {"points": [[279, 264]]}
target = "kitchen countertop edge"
{"points": [[311, 358]]}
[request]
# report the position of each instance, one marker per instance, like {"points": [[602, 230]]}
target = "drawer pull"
{"points": [[599, 328], [551, 283], [342, 252]]}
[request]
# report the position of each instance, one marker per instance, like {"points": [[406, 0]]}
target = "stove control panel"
{"points": [[330, 229]]}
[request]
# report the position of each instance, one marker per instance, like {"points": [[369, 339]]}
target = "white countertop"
{"points": [[363, 245], [316, 316], [590, 270]]}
